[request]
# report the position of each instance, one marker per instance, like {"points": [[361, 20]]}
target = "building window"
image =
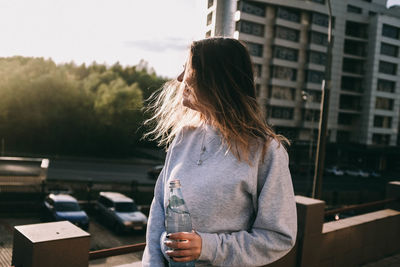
{"points": [[382, 121], [389, 50], [251, 28], [285, 53], [253, 8], [258, 88], [317, 58], [284, 73], [257, 70], [319, 38], [320, 19], [319, 1], [345, 119], [353, 84], [283, 93], [210, 3], [255, 49], [350, 102], [287, 34], [282, 113], [384, 103], [209, 18], [355, 48], [352, 65], [354, 9], [315, 76], [371, 13], [311, 115], [355, 29], [390, 31], [288, 132], [386, 86], [343, 137], [381, 139], [387, 68], [289, 14]]}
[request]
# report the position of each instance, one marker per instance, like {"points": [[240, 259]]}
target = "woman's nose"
{"points": [[180, 77]]}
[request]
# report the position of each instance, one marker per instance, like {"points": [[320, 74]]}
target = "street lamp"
{"points": [[307, 98], [323, 121]]}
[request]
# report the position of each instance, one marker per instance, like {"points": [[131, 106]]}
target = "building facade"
{"points": [[287, 40]]}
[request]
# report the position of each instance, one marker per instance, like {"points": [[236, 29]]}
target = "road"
{"points": [[98, 171]]}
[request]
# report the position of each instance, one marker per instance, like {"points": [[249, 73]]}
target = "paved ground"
{"points": [[101, 237]]}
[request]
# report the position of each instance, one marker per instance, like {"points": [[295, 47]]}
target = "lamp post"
{"points": [[306, 97], [323, 122]]}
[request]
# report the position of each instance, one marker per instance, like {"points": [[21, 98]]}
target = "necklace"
{"points": [[203, 149]]}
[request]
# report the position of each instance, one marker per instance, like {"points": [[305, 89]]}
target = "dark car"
{"points": [[63, 207]]}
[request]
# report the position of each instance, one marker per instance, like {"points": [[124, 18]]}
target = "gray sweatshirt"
{"points": [[245, 215]]}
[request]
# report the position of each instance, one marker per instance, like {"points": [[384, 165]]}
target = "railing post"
{"points": [[60, 244], [310, 216], [393, 191]]}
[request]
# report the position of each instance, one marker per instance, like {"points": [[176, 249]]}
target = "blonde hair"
{"points": [[225, 90]]}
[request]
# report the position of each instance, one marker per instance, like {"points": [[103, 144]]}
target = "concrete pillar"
{"points": [[60, 244], [393, 191], [310, 216]]}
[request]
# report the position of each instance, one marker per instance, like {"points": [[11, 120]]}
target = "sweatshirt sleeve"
{"points": [[152, 255], [274, 230]]}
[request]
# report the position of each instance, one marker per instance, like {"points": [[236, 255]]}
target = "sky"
{"points": [[105, 31]]}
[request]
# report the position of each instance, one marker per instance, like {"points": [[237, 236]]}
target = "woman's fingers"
{"points": [[183, 259], [179, 253], [178, 244], [186, 246], [181, 236]]}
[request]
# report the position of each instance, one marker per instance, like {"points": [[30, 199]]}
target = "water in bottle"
{"points": [[177, 217]]}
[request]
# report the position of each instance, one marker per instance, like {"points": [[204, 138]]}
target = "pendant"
{"points": [[199, 162]]}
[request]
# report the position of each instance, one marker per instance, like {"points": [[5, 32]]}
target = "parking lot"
{"points": [[101, 237]]}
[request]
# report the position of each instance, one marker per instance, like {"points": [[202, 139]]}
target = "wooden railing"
{"points": [[109, 252], [361, 206]]}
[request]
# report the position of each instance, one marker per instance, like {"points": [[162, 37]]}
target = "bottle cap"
{"points": [[175, 183]]}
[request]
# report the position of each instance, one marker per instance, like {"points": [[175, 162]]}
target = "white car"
{"points": [[364, 174], [353, 171], [120, 212], [335, 171]]}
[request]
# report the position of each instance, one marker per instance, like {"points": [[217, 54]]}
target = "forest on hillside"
{"points": [[69, 109]]}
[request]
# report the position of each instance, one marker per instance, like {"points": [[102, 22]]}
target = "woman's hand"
{"points": [[186, 246]]}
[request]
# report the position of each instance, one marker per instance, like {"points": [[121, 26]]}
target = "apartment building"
{"points": [[287, 40]]}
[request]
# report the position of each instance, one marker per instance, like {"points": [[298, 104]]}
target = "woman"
{"points": [[233, 168]]}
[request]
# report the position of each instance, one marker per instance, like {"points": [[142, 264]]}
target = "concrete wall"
{"points": [[347, 242]]}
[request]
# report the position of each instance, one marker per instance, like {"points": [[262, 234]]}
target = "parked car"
{"points": [[334, 170], [64, 207], [356, 172], [154, 171], [120, 212], [363, 173], [374, 173]]}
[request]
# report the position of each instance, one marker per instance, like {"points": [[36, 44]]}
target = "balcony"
{"points": [[351, 241]]}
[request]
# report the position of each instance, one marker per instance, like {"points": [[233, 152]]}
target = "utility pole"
{"points": [[323, 122], [2, 146]]}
